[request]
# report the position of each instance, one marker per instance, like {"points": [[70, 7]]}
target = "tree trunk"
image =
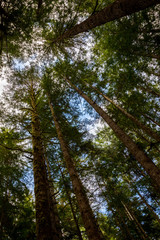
{"points": [[148, 117], [136, 222], [115, 10], [125, 230], [135, 120], [91, 226], [152, 170], [71, 205], [43, 219], [149, 207], [144, 201], [54, 213]]}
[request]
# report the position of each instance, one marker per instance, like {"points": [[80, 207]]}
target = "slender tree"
{"points": [[71, 205], [92, 228], [152, 170], [44, 224], [115, 10], [134, 119]]}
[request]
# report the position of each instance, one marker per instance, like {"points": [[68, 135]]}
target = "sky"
{"points": [[2, 83]]}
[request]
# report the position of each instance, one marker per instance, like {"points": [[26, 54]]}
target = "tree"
{"points": [[16, 202], [115, 10], [90, 223], [83, 175]]}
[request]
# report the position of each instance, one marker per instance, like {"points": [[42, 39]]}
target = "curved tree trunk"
{"points": [[135, 120], [90, 223], [44, 226], [152, 170], [115, 10]]}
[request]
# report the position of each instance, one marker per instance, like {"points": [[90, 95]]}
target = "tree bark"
{"points": [[152, 170], [54, 213], [90, 223], [135, 120], [132, 217], [44, 229], [115, 10], [71, 206]]}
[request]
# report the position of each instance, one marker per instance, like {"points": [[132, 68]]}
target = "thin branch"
{"points": [[15, 149]]}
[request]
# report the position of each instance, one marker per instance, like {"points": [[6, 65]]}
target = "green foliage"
{"points": [[124, 65], [16, 203]]}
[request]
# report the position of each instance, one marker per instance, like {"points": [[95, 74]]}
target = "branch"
{"points": [[94, 10], [15, 149]]}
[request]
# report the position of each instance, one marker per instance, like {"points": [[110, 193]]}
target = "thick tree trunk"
{"points": [[91, 226], [152, 170], [135, 120], [44, 229], [115, 10], [71, 206]]}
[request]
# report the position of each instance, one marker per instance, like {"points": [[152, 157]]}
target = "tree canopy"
{"points": [[79, 120]]}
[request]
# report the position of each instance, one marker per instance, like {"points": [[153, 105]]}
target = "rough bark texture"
{"points": [[135, 120], [91, 226], [116, 10], [152, 170], [54, 213], [44, 227]]}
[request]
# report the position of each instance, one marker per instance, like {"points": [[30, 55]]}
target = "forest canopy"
{"points": [[80, 120]]}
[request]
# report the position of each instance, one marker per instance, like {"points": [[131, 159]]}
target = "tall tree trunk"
{"points": [[71, 206], [136, 222], [90, 223], [125, 230], [54, 213], [144, 201], [135, 120], [152, 170], [42, 194], [115, 10], [149, 207]]}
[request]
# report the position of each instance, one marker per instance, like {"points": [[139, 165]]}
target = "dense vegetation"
{"points": [[80, 128]]}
